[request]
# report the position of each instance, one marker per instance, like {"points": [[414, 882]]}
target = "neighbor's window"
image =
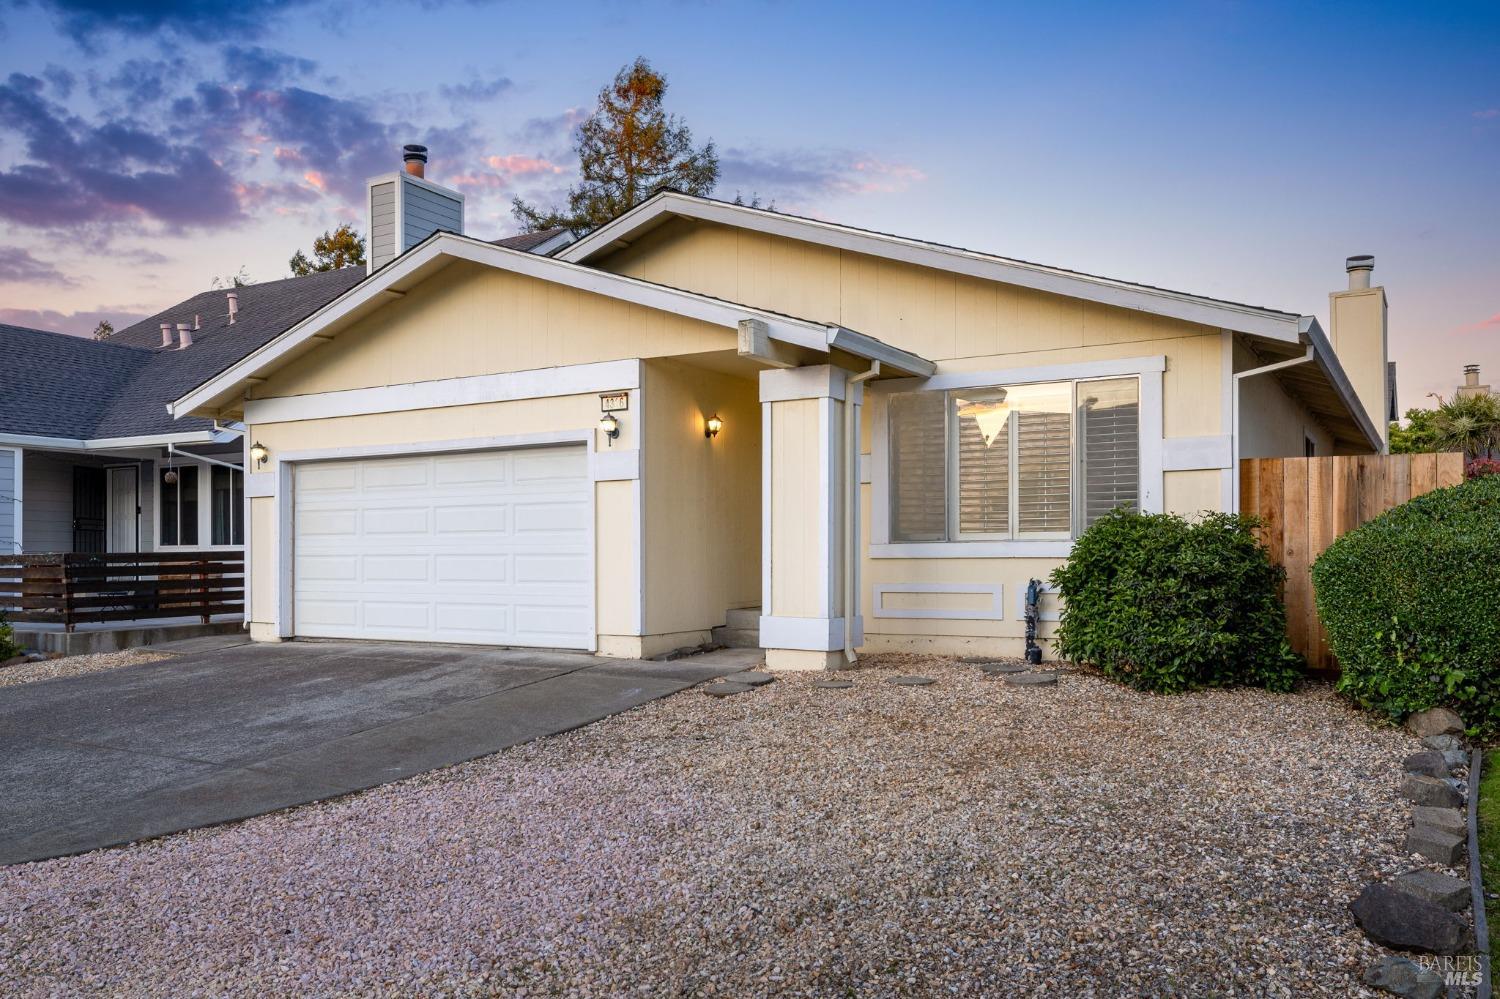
{"points": [[179, 505], [228, 503], [1028, 462]]}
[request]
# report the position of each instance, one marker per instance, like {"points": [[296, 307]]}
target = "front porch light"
{"points": [[712, 426], [609, 426], [259, 453]]}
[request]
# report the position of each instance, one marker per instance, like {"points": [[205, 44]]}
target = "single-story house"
{"points": [[704, 412]]}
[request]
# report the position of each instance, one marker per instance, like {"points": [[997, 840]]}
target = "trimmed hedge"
{"points": [[1165, 604], [1411, 602]]}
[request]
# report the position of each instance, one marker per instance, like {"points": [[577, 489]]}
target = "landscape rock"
{"points": [[1441, 889], [15, 661], [1440, 847], [1430, 791], [1443, 743], [1404, 977], [1429, 763], [1394, 919], [1435, 721], [1455, 758], [1449, 820]]}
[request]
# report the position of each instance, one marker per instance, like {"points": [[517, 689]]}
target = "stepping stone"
{"points": [[726, 689], [1032, 680], [833, 684], [1449, 892], [1434, 844], [1449, 820], [980, 660], [1394, 919], [1430, 791], [1004, 667], [912, 681], [753, 678]]}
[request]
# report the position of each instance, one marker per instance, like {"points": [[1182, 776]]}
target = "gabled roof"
{"points": [[73, 388], [1201, 309], [441, 248]]}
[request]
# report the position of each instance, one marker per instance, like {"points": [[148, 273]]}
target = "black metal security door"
{"points": [[89, 505]]}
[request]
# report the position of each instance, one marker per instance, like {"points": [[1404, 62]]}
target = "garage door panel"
{"points": [[488, 547]]}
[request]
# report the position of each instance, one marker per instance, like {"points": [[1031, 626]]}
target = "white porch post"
{"points": [[803, 483]]}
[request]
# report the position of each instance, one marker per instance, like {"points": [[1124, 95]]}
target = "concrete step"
{"points": [[737, 638], [746, 618]]}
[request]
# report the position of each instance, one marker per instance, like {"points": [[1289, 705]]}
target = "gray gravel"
{"points": [[966, 838], [53, 669]]}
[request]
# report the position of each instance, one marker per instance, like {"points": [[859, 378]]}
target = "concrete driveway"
{"points": [[145, 750]]}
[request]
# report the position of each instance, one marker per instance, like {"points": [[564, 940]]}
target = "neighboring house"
{"points": [[91, 460], [1471, 387], [481, 445]]}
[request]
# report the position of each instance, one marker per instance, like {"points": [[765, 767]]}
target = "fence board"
{"points": [[70, 588], [1306, 503]]}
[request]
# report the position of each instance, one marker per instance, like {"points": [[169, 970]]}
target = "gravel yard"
{"points": [[53, 669], [965, 838]]}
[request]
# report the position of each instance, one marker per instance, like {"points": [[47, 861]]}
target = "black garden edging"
{"points": [[1476, 878]]}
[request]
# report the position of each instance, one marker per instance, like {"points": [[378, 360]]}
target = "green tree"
{"points": [[1469, 424], [628, 149], [104, 329], [238, 279], [343, 247]]}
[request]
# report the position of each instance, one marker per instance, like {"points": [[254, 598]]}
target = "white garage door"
{"points": [[488, 547]]}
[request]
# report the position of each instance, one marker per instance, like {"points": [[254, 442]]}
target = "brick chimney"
{"points": [[1357, 317]]}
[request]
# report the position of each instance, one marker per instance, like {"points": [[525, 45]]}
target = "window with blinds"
{"points": [[1109, 426], [1024, 461], [919, 475]]}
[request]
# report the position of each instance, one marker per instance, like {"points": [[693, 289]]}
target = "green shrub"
{"points": [[1411, 602], [8, 646], [1167, 605]]}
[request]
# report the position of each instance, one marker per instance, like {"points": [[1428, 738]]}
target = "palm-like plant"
{"points": [[1470, 425]]}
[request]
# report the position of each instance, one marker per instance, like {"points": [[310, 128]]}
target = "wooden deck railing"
{"points": [[73, 588]]}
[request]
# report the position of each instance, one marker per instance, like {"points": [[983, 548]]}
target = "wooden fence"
{"points": [[1305, 503], [73, 588]]}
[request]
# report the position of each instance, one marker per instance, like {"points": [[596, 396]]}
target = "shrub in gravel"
{"points": [[1409, 601], [8, 646], [1165, 604]]}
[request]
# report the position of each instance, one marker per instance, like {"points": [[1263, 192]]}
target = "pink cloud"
{"points": [[876, 177], [1487, 114], [519, 166], [1483, 324], [478, 181]]}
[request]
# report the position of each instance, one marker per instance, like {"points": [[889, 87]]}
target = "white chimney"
{"points": [[166, 335], [197, 322], [234, 306], [1358, 331], [184, 336], [405, 208]]}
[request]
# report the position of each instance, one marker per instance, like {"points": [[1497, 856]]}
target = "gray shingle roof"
{"points": [[528, 240], [64, 386]]}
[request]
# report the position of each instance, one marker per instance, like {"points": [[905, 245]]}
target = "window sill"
{"points": [[973, 549]]}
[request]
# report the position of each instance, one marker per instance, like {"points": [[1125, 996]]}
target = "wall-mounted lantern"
{"points": [[259, 453], [610, 427], [712, 426]]}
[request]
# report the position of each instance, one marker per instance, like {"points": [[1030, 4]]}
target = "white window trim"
{"points": [[1150, 371], [205, 507]]}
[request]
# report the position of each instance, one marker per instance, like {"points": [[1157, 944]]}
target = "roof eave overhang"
{"points": [[1311, 333], [442, 249], [1177, 305], [108, 443]]}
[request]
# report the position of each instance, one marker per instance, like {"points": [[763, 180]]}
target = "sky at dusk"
{"points": [[1239, 150]]}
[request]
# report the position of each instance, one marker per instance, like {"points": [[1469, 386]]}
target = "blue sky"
{"points": [[1232, 149]]}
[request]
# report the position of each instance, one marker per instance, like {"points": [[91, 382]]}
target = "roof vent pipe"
{"points": [[415, 159], [184, 336], [197, 322], [1471, 376], [166, 335], [234, 306], [1359, 269]]}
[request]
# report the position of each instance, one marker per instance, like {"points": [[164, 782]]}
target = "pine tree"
{"points": [[628, 149]]}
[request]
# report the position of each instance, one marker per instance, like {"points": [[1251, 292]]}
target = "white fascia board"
{"points": [[550, 246], [551, 269], [1328, 362], [109, 443], [1176, 305], [872, 349]]}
